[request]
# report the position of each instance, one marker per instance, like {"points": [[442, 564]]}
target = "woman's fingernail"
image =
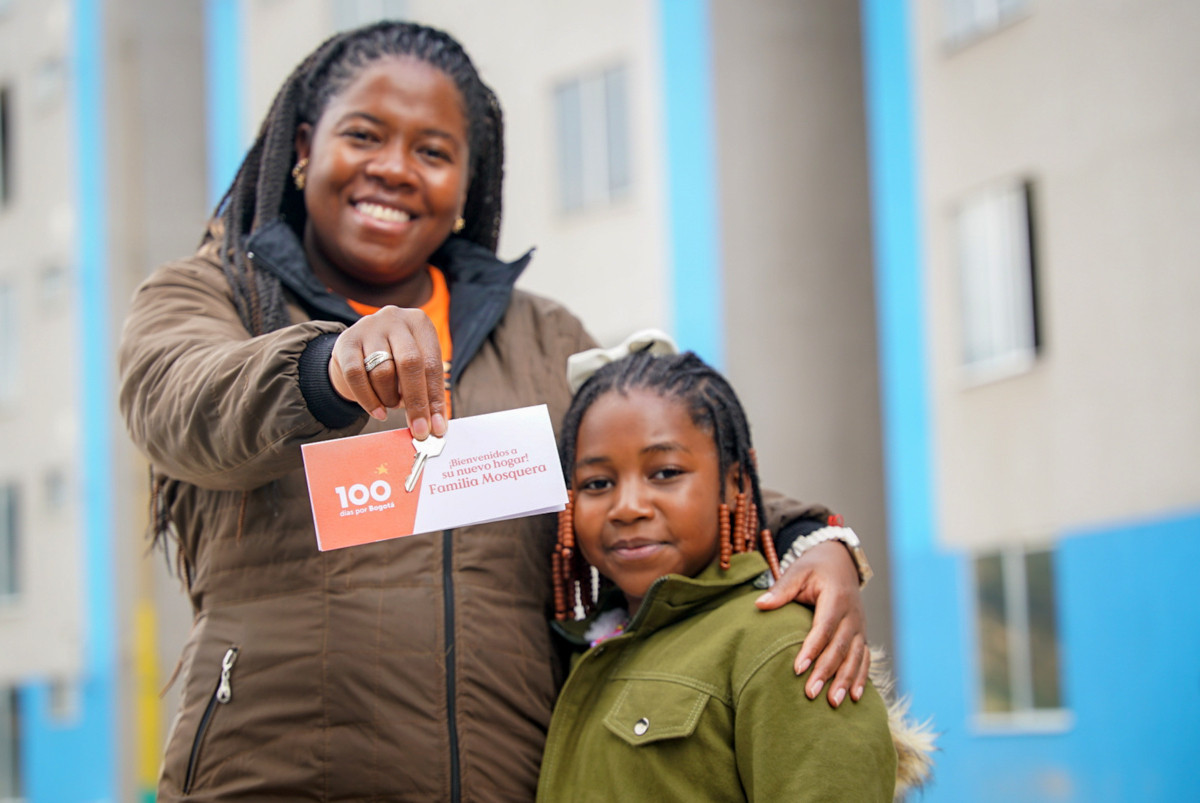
{"points": [[838, 696], [857, 693], [803, 667], [379, 413], [815, 689], [419, 429], [439, 424]]}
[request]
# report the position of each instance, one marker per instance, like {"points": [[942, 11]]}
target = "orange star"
{"points": [[382, 469]]}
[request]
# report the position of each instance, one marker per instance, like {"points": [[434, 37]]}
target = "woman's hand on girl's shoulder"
{"points": [[826, 578]]}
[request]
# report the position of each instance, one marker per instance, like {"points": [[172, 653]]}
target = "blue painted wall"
{"points": [[1129, 605], [693, 213], [224, 94], [75, 758]]}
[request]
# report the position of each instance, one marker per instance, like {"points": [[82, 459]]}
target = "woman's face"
{"points": [[387, 175]]}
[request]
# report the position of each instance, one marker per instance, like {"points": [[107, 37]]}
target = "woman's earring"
{"points": [[460, 224], [298, 173]]}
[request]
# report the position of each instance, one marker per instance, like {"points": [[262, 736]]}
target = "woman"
{"points": [[349, 270]]}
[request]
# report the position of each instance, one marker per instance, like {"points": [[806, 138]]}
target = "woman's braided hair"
{"points": [[714, 407], [263, 190]]}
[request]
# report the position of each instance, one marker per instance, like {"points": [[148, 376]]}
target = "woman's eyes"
{"points": [[359, 135], [435, 153], [364, 136]]}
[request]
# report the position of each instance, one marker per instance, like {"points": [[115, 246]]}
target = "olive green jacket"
{"points": [[697, 700]]}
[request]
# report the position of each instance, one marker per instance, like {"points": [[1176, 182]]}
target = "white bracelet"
{"points": [[846, 535]]}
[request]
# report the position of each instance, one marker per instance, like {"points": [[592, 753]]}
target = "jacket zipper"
{"points": [[451, 702], [222, 694]]}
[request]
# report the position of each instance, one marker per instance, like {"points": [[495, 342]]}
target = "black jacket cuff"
{"points": [[323, 401], [788, 534]]}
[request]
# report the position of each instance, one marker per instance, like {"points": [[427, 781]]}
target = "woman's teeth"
{"points": [[381, 212]]}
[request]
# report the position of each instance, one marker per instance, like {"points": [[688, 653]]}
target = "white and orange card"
{"points": [[496, 466]]}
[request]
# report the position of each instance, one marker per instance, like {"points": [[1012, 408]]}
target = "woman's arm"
{"points": [[827, 579], [204, 401]]}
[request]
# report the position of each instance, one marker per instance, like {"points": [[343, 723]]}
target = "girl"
{"points": [[683, 694]]}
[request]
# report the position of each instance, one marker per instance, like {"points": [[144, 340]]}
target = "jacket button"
{"points": [[641, 726]]}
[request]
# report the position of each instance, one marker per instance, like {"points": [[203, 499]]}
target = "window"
{"points": [[353, 13], [971, 19], [9, 575], [1017, 638], [5, 146], [593, 139], [8, 342], [10, 740], [996, 266]]}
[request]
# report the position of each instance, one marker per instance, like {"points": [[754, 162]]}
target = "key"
{"points": [[430, 447]]}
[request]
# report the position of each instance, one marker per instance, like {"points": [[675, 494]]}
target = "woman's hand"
{"points": [[825, 577], [412, 378]]}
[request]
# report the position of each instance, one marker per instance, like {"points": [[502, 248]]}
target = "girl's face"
{"points": [[647, 487], [386, 178]]}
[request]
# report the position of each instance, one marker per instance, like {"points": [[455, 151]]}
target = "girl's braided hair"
{"points": [[263, 190], [714, 407]]}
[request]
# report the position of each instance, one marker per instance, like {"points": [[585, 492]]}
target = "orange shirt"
{"points": [[438, 310]]}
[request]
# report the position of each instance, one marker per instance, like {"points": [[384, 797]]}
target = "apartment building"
{"points": [[1034, 167], [945, 250]]}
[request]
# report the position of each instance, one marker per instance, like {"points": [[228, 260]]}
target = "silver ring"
{"points": [[376, 359]]}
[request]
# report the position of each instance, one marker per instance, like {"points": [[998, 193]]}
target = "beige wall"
{"points": [[796, 251], [1092, 102], [41, 630]]}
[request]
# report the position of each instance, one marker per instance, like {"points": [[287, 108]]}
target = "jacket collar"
{"points": [[276, 248], [672, 598], [676, 597], [480, 285]]}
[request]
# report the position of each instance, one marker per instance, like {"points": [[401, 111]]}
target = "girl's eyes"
{"points": [[594, 484], [359, 135], [666, 473], [598, 484]]}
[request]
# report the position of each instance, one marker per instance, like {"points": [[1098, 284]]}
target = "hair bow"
{"points": [[582, 365]]}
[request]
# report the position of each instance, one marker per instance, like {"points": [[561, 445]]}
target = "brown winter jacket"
{"points": [[419, 668]]}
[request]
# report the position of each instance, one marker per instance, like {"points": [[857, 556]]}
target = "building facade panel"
{"points": [[1087, 450]]}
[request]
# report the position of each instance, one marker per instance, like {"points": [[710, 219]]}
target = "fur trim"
{"points": [[914, 742]]}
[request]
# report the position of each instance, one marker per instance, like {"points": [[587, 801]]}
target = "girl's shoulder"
{"points": [[758, 634]]}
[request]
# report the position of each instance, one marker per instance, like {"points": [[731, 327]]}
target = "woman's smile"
{"points": [[381, 212]]}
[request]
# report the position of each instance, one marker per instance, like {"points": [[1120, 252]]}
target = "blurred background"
{"points": [[947, 250]]}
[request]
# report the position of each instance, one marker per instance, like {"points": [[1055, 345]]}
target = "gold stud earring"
{"points": [[298, 175], [459, 225]]}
